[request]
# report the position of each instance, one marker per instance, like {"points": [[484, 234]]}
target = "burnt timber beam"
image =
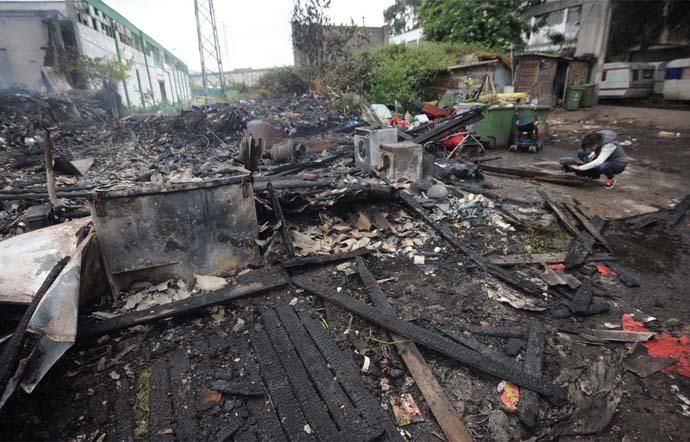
{"points": [[446, 416], [254, 283], [434, 341]]}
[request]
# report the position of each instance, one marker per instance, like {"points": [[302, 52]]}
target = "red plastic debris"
{"points": [[434, 112], [664, 345], [556, 266], [452, 140], [604, 269], [397, 121], [510, 395]]}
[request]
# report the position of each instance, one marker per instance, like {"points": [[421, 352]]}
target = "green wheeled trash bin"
{"points": [[573, 97], [587, 95], [494, 130]]}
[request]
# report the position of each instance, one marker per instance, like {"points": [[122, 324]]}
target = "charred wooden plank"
{"points": [[335, 398], [123, 422], [257, 282], [502, 274], [282, 397], [261, 409], [583, 297], [433, 341], [446, 416], [238, 388], [324, 259], [268, 425], [546, 258], [641, 221], [308, 399], [346, 374], [499, 332], [294, 168], [587, 224], [284, 229], [566, 180], [579, 250], [186, 423], [562, 218], [679, 211], [160, 406], [534, 355]]}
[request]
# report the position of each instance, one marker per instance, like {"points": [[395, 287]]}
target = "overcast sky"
{"points": [[257, 32]]}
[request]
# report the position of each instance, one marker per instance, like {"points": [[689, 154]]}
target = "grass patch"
{"points": [[142, 405], [549, 239]]}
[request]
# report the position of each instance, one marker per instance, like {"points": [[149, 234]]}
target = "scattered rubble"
{"points": [[264, 270]]}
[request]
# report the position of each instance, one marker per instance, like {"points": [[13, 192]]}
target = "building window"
{"points": [[93, 23], [648, 74], [574, 15], [674, 73], [603, 75], [555, 18], [635, 75]]}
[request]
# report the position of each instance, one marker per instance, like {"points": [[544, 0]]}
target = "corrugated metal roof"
{"points": [[470, 65], [541, 54]]}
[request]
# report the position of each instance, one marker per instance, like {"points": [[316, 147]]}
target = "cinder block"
{"points": [[367, 144], [401, 160]]}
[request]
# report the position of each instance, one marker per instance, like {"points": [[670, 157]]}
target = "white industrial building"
{"points": [[34, 34]]}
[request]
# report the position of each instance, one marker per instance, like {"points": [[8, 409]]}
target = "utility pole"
{"points": [[209, 48]]}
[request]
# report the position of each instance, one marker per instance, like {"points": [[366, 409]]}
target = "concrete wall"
{"points": [[34, 6], [23, 43], [468, 79], [97, 44], [409, 38], [589, 38], [584, 23], [248, 77], [24, 38]]}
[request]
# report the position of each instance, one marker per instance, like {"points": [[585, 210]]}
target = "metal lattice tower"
{"points": [[209, 48]]}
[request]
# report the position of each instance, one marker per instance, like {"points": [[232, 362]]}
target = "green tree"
{"points": [[397, 72], [491, 23], [402, 16], [102, 70]]}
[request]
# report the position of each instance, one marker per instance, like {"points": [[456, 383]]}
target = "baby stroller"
{"points": [[526, 135]]}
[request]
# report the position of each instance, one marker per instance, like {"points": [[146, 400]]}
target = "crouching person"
{"points": [[601, 155]]}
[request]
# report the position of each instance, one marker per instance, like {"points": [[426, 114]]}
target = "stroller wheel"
{"points": [[532, 148], [513, 147]]}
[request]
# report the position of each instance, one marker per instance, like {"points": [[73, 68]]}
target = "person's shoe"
{"points": [[610, 183]]}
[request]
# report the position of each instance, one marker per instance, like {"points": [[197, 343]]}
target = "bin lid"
{"points": [[532, 106]]}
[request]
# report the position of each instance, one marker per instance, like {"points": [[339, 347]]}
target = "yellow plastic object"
{"points": [[504, 97]]}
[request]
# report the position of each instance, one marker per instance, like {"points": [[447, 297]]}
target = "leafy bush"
{"points": [[399, 72], [283, 81], [347, 75], [492, 23]]}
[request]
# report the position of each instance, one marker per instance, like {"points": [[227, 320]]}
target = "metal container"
{"points": [[154, 234], [403, 160], [573, 96], [367, 144], [38, 217], [587, 95]]}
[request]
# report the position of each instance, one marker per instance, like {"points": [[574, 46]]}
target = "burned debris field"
{"points": [[272, 270]]}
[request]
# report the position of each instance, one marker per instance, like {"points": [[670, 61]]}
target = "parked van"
{"points": [[626, 80], [677, 81], [659, 76]]}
